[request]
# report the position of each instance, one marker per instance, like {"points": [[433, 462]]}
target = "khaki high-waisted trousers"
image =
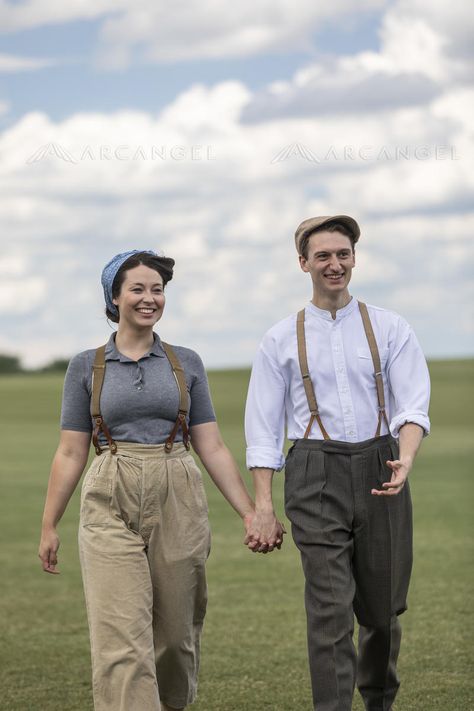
{"points": [[143, 541]]}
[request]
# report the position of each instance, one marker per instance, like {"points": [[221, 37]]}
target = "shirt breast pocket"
{"points": [[365, 364]]}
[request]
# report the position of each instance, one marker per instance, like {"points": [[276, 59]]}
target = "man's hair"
{"points": [[327, 227]]}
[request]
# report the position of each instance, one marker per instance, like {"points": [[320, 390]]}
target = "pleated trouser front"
{"points": [[143, 540], [356, 551]]}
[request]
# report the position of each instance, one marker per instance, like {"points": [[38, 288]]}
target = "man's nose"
{"points": [[334, 263]]}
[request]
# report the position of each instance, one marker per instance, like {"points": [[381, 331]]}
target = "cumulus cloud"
{"points": [[209, 30], [422, 54], [227, 215], [154, 32], [12, 63], [220, 178], [29, 14]]}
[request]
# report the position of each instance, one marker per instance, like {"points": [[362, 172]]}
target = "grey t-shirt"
{"points": [[140, 399]]}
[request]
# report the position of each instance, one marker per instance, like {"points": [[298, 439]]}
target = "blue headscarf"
{"points": [[110, 270]]}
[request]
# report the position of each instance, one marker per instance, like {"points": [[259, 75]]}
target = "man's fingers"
{"points": [[393, 484], [386, 492]]}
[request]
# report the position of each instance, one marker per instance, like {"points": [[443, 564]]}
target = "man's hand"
{"points": [[264, 532], [400, 470]]}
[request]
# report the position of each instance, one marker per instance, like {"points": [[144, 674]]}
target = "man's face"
{"points": [[330, 262]]}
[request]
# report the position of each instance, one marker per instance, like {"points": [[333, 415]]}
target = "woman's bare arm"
{"points": [[66, 470]]}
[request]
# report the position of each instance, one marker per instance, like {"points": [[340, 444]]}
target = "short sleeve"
{"points": [[201, 409], [75, 409]]}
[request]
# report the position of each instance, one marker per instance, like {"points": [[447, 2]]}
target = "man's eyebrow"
{"points": [[332, 251]]}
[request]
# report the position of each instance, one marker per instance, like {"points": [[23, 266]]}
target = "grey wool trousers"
{"points": [[356, 551]]}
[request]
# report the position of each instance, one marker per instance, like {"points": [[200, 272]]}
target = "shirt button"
{"points": [[139, 387], [352, 433]]}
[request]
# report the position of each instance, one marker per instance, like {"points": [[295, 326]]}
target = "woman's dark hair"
{"points": [[162, 265]]}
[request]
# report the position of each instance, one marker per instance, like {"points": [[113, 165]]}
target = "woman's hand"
{"points": [[48, 550], [264, 531]]}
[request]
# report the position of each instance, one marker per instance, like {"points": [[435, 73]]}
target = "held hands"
{"points": [[400, 470], [264, 532], [48, 551]]}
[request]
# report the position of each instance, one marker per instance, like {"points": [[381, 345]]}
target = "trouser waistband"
{"points": [[146, 451], [337, 446]]}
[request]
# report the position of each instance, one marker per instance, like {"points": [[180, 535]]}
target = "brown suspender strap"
{"points": [[178, 373], [98, 373], [374, 352], [307, 382]]}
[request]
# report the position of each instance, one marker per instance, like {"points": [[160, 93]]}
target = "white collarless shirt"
{"points": [[342, 372]]}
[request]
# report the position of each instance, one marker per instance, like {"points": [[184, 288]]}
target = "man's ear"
{"points": [[303, 262]]}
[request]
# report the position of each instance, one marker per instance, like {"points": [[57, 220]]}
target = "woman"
{"points": [[144, 534]]}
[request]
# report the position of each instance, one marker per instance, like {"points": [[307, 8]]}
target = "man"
{"points": [[352, 385]]}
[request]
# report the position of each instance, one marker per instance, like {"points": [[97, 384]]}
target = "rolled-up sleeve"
{"points": [[409, 382], [265, 413]]}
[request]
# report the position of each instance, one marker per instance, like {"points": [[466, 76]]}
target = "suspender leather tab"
{"points": [[308, 384], [98, 374], [374, 352], [181, 421]]}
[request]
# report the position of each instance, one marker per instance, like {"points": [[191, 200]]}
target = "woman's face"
{"points": [[141, 300]]}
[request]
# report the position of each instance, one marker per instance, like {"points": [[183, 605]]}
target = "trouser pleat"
{"points": [[144, 539], [356, 556]]}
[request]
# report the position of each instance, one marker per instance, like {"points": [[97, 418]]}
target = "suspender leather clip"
{"points": [[97, 382], [308, 384]]}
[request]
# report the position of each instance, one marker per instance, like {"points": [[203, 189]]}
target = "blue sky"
{"points": [[173, 121]]}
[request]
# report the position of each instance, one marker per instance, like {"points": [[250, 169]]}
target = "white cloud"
{"points": [[202, 29], [423, 53], [228, 221], [12, 63], [29, 14], [209, 30]]}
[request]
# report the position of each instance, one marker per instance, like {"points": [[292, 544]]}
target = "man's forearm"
{"points": [[411, 436], [262, 481]]}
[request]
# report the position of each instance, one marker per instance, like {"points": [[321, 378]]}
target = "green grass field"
{"points": [[253, 655]]}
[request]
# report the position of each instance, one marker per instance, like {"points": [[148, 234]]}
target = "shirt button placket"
{"points": [[343, 383]]}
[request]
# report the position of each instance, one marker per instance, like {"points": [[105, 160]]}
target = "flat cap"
{"points": [[309, 225]]}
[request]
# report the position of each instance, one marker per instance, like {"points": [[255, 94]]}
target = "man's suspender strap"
{"points": [[178, 373], [374, 352], [308, 384], [98, 373]]}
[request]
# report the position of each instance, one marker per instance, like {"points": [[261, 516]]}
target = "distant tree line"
{"points": [[12, 364]]}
